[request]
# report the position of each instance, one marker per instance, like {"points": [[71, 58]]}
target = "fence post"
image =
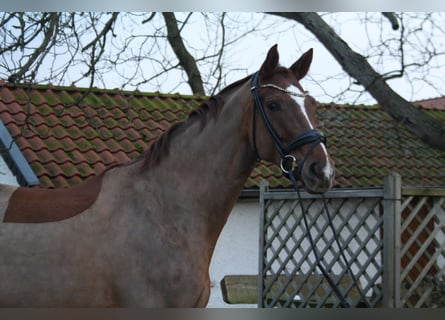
{"points": [[392, 195], [264, 186]]}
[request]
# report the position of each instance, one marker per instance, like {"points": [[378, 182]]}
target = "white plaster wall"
{"points": [[6, 176], [236, 251]]}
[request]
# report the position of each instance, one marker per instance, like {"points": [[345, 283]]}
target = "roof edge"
{"points": [[136, 92]]}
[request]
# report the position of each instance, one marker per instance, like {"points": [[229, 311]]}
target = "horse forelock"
{"points": [[161, 146]]}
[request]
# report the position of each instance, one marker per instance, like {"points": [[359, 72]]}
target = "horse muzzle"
{"points": [[318, 178]]}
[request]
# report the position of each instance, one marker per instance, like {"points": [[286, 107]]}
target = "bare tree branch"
{"points": [[392, 19], [218, 66], [41, 50], [417, 122], [185, 58], [106, 29], [150, 17]]}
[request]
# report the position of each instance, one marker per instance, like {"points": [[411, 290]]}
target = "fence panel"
{"points": [[288, 273], [393, 239], [422, 277]]}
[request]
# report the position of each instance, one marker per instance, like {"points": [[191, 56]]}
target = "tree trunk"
{"points": [[427, 129], [186, 60]]}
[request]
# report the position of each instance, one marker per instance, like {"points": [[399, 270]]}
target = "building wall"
{"points": [[6, 176], [236, 251]]}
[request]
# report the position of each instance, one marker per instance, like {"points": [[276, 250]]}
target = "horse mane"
{"points": [[161, 146]]}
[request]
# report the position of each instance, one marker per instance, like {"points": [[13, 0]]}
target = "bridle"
{"points": [[315, 137], [311, 136]]}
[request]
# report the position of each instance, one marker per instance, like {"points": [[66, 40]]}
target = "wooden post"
{"points": [[392, 195]]}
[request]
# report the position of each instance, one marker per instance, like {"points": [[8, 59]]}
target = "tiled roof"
{"points": [[65, 142], [367, 144], [433, 103]]}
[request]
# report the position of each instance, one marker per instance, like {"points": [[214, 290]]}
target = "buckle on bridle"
{"points": [[285, 160]]}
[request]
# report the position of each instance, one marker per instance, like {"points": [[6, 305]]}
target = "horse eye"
{"points": [[273, 106]]}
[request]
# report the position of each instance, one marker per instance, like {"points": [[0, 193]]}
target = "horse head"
{"points": [[284, 123]]}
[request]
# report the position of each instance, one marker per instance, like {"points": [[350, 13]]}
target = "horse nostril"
{"points": [[313, 170]]}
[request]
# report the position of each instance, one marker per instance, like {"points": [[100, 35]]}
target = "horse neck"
{"points": [[207, 168]]}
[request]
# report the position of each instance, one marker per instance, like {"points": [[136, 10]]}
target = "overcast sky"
{"points": [[293, 39]]}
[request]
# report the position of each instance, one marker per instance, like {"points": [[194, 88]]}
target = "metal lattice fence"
{"points": [[366, 223]]}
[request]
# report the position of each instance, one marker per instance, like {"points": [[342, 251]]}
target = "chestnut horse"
{"points": [[143, 233]]}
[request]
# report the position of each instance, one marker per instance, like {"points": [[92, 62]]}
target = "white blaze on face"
{"points": [[328, 171], [300, 103]]}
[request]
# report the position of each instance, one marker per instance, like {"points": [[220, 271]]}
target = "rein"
{"points": [[311, 136]]}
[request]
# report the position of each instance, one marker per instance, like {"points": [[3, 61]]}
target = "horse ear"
{"points": [[270, 63], [301, 67]]}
